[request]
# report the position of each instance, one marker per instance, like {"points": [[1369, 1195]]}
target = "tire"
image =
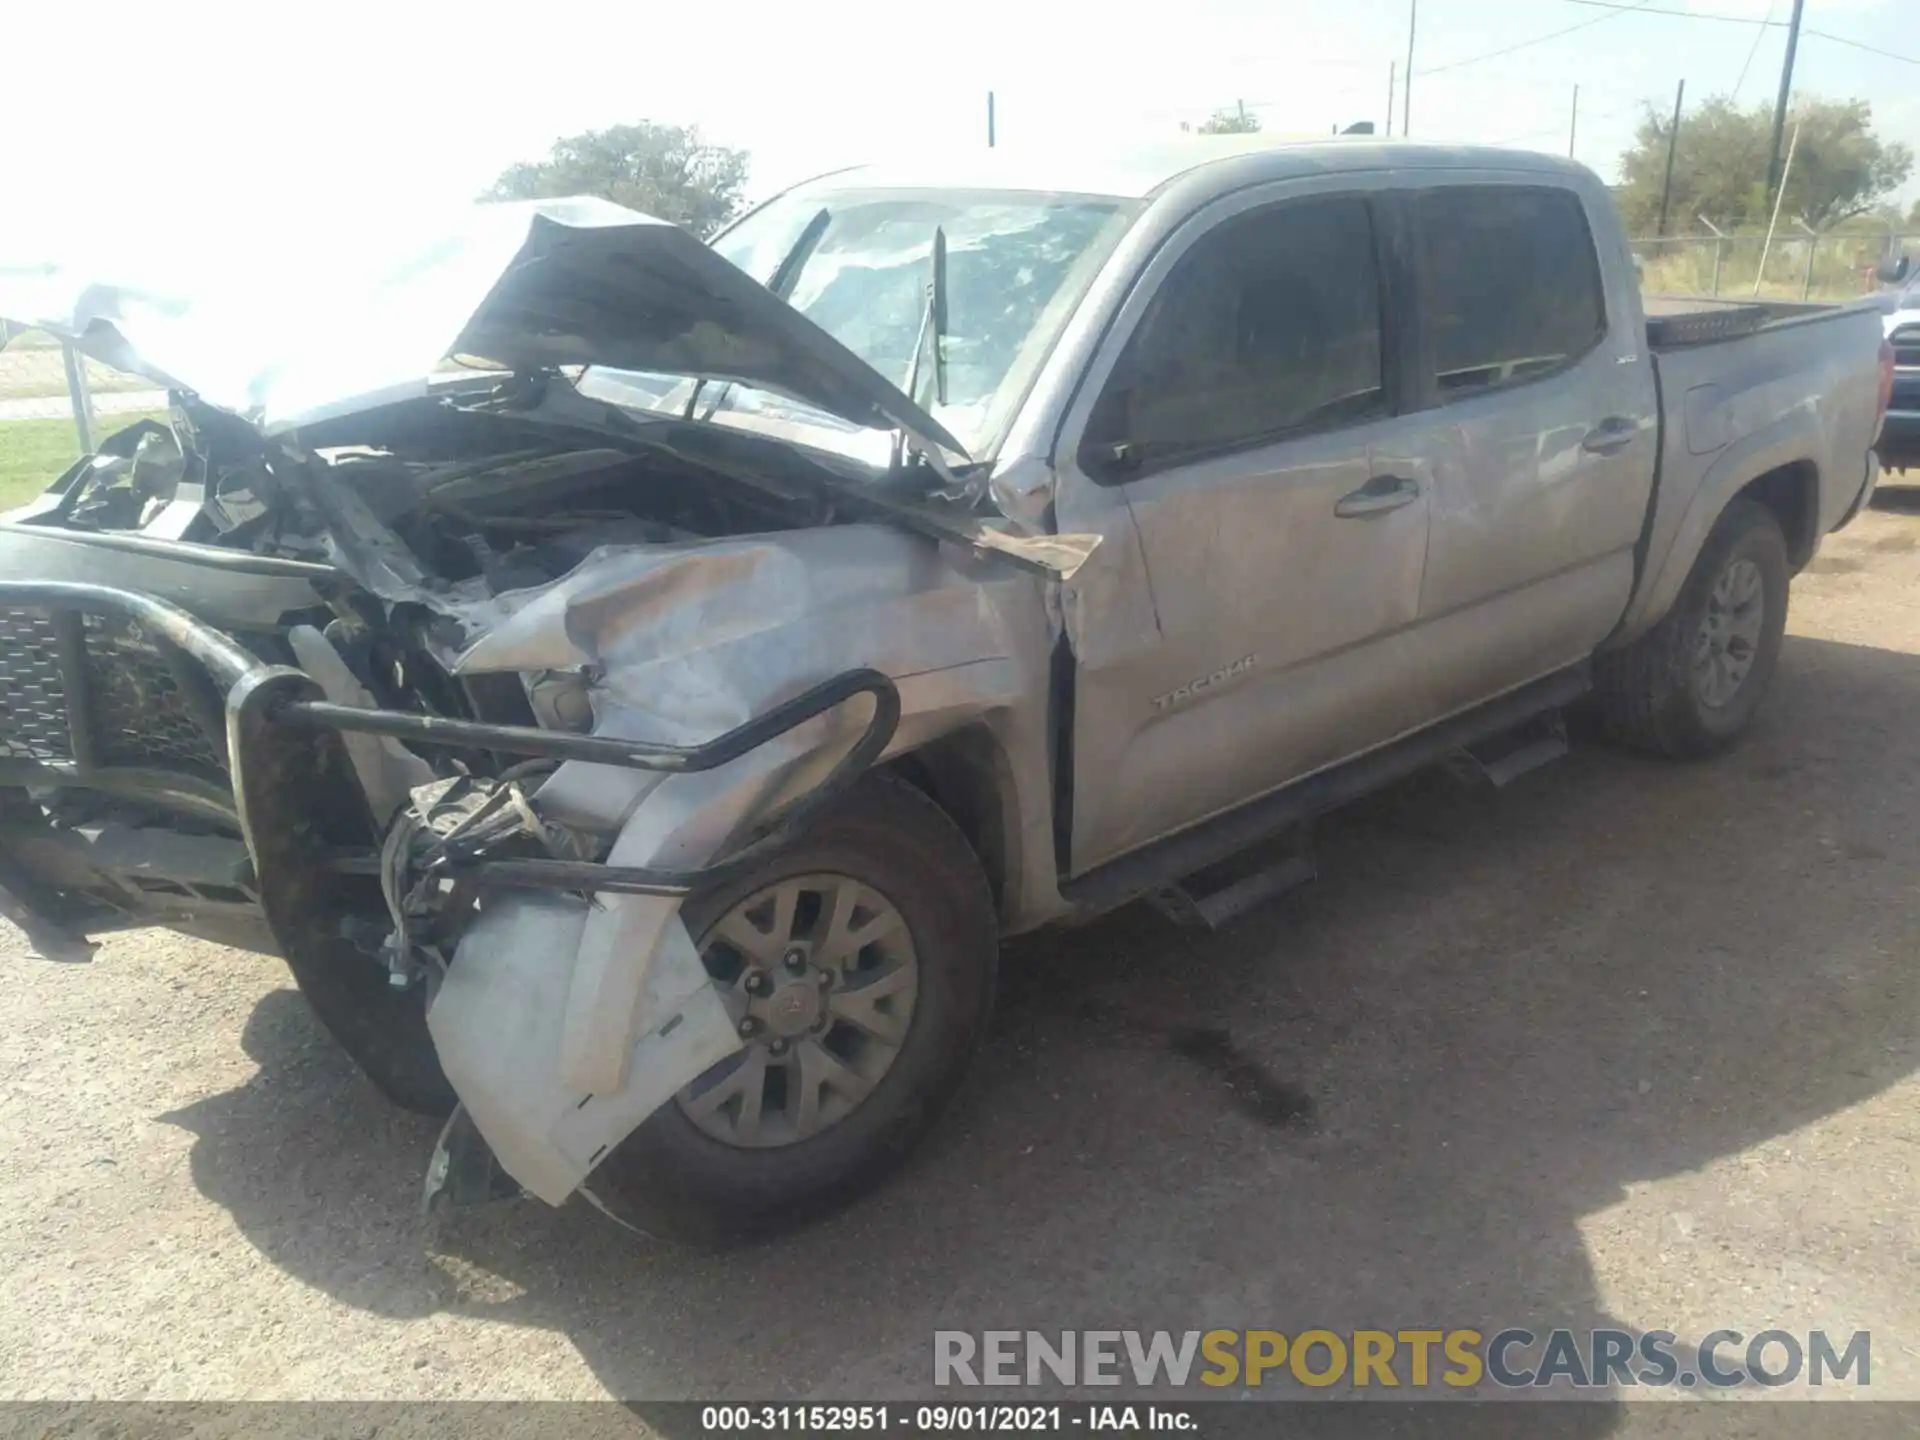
{"points": [[384, 1032], [1653, 696], [675, 1179]]}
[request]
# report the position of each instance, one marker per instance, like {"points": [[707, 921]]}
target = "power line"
{"points": [[1536, 40], [1769, 23], [1682, 14], [1855, 44], [1643, 102], [1754, 49]]}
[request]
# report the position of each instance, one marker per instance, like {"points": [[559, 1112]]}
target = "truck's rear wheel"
{"points": [[1690, 685], [859, 966]]}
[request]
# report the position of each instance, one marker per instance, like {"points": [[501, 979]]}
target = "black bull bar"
{"points": [[312, 838], [282, 745]]}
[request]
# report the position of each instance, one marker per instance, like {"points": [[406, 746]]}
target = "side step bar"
{"points": [[1221, 894], [1503, 759], [1165, 862]]}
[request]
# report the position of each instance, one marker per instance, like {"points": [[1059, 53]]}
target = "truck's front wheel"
{"points": [[1690, 685], [859, 968]]}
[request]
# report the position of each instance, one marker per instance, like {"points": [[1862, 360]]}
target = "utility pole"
{"points": [[1406, 93], [1780, 104], [1393, 79], [1573, 123], [990, 119], [1673, 140]]}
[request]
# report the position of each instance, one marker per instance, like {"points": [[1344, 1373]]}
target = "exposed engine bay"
{"points": [[449, 691], [459, 502], [426, 523]]}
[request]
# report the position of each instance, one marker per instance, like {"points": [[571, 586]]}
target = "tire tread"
{"points": [[1643, 692]]}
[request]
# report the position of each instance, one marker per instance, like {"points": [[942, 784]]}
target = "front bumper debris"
{"points": [[268, 706], [314, 844]]}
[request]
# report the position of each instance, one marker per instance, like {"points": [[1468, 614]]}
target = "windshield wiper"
{"points": [[785, 276], [933, 328]]}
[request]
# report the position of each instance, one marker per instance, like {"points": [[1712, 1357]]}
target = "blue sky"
{"points": [[360, 103]]}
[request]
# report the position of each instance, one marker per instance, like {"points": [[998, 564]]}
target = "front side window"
{"points": [[1510, 285], [1268, 326]]}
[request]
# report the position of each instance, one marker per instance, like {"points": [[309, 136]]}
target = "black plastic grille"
{"points": [[141, 715], [33, 702]]}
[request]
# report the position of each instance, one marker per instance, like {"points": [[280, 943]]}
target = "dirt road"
{"points": [[1628, 1043]]}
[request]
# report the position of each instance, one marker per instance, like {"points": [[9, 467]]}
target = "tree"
{"points": [[1237, 121], [666, 171], [1840, 167]]}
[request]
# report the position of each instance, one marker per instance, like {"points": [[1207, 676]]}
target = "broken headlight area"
{"points": [[369, 552]]}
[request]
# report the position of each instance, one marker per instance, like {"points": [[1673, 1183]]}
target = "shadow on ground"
{"points": [[1385, 1101], [1898, 494]]}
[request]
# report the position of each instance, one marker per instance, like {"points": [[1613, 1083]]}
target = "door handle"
{"points": [[1616, 432], [1377, 496]]}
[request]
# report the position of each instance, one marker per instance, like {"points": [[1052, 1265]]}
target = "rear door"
{"points": [[1541, 430], [1232, 429]]}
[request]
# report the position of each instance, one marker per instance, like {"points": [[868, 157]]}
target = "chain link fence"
{"points": [[55, 406], [40, 379], [1797, 266]]}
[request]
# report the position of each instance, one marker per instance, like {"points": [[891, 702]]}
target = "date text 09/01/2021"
{"points": [[939, 1419]]}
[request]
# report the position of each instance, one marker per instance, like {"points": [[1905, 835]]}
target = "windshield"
{"points": [[1017, 262]]}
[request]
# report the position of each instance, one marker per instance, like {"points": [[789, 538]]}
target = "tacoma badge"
{"points": [[1186, 692]]}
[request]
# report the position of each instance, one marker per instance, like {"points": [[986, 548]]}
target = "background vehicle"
{"points": [[1899, 442], [1248, 479]]}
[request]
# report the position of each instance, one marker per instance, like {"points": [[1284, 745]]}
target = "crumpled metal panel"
{"points": [[688, 641], [499, 1020]]}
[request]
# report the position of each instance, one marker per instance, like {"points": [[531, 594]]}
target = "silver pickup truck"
{"points": [[637, 740]]}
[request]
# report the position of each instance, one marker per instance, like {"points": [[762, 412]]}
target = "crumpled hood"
{"points": [[526, 285]]}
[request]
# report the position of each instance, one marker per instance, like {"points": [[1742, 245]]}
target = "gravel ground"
{"points": [[1628, 1043]]}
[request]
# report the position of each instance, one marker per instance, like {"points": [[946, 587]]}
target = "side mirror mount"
{"points": [[1894, 269], [1112, 461], [1107, 450]]}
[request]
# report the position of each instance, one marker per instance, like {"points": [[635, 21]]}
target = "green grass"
{"points": [[33, 453]]}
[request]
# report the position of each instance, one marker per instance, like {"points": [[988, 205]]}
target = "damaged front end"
{"points": [[449, 691], [321, 863]]}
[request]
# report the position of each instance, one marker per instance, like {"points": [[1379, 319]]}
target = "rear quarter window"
{"points": [[1510, 286]]}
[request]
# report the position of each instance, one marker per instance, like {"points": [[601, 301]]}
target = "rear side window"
{"points": [[1268, 326], [1510, 285]]}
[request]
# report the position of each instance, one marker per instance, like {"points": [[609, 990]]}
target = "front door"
{"points": [[1239, 438]]}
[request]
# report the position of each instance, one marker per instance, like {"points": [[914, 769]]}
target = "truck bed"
{"points": [[1746, 388], [1678, 321]]}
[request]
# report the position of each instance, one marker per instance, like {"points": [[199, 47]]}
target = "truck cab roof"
{"points": [[1230, 161]]}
